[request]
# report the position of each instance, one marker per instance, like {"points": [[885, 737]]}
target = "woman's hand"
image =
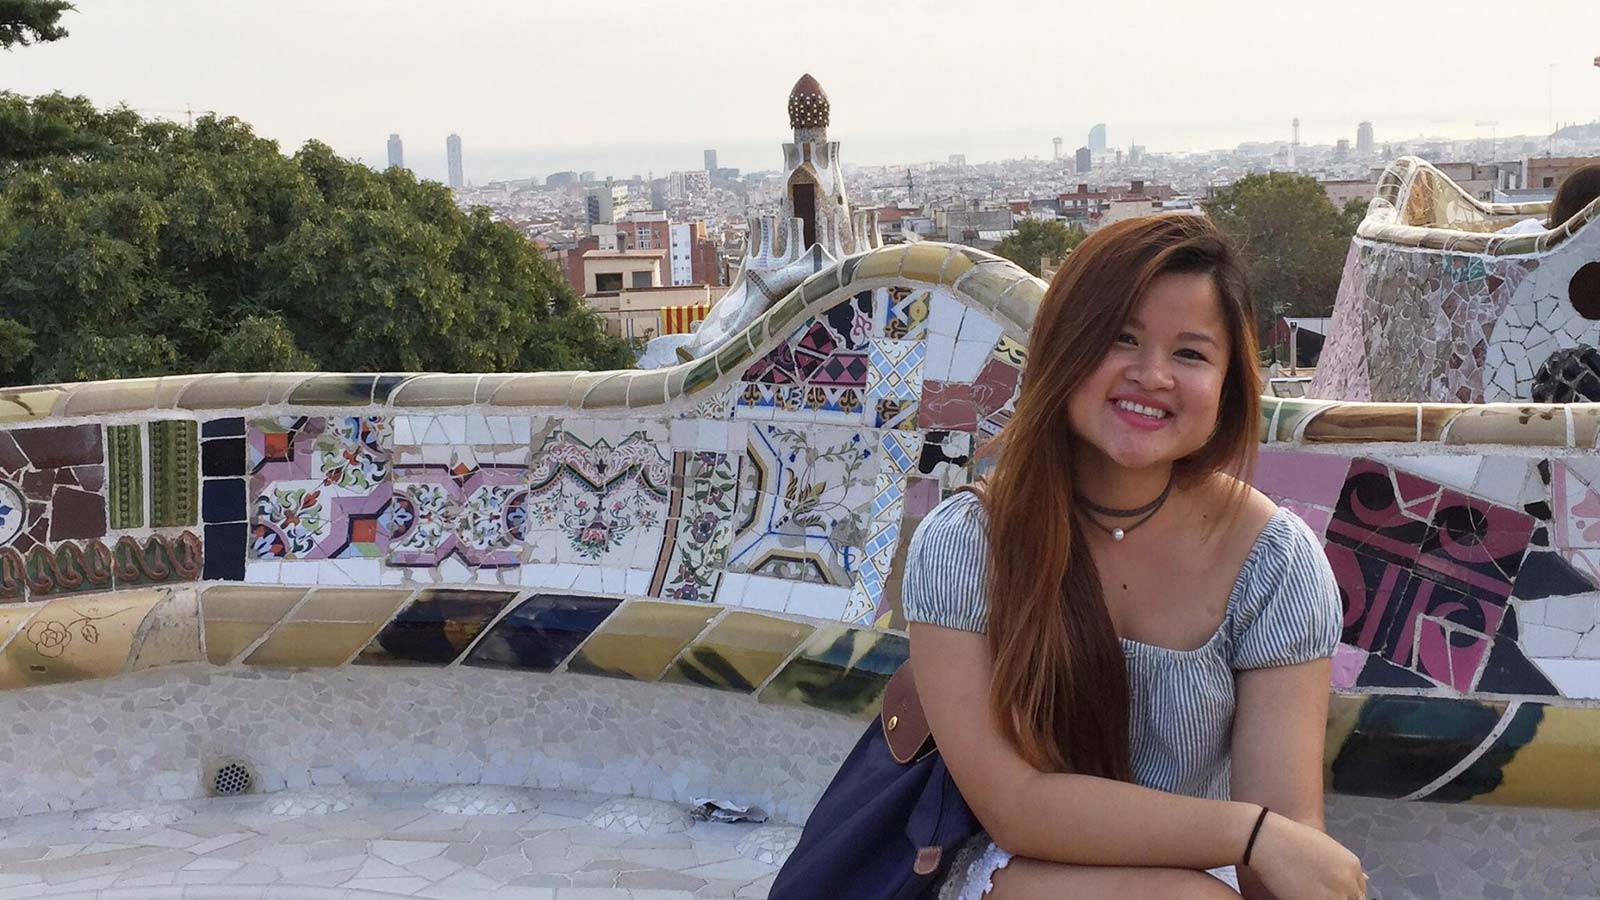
{"points": [[1298, 862]]}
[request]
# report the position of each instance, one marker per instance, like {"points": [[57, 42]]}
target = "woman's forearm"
{"points": [[1085, 820]]}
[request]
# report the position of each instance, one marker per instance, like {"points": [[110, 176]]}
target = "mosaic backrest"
{"points": [[1433, 305], [738, 524]]}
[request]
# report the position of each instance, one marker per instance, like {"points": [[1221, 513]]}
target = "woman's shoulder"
{"points": [[958, 516]]}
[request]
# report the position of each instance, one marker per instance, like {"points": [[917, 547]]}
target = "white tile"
{"points": [[638, 582], [1573, 613], [522, 429], [478, 430], [820, 601], [590, 578], [762, 592], [403, 434], [1530, 612], [499, 429], [683, 434], [1589, 646], [452, 570], [614, 580], [969, 359], [1502, 479], [1542, 640], [455, 429], [730, 592], [979, 328], [1459, 472], [940, 354], [262, 572], [297, 571], [944, 314], [1574, 678]]}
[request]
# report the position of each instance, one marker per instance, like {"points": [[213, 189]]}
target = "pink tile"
{"points": [[1313, 477], [1347, 664]]}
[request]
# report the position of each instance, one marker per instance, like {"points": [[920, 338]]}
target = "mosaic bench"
{"points": [[733, 529]]}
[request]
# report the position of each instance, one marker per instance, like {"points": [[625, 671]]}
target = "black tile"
{"points": [[222, 457], [222, 500], [1509, 672], [222, 428], [1545, 574], [1402, 744], [1379, 672], [541, 632], [435, 629], [225, 552]]}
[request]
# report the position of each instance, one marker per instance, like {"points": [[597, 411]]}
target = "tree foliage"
{"points": [[132, 247], [1039, 238], [31, 21], [1292, 238]]}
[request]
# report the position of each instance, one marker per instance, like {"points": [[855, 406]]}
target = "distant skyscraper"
{"points": [[1085, 160], [1364, 138], [1097, 139], [711, 160], [452, 156], [1294, 145], [1055, 145], [397, 154]]}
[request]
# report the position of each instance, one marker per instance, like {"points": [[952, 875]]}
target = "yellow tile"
{"points": [[611, 391], [437, 390], [1435, 416], [340, 605], [74, 638], [1557, 768], [312, 644], [226, 640], [227, 391], [172, 635], [1356, 422], [249, 604], [112, 396], [956, 266], [1508, 423], [538, 389], [1585, 425], [1021, 301], [648, 389], [883, 263], [23, 405], [923, 262], [641, 638], [739, 652]]}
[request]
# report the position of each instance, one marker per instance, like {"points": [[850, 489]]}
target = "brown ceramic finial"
{"points": [[808, 104]]}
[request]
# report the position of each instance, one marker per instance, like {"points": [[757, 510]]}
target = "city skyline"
{"points": [[345, 101]]}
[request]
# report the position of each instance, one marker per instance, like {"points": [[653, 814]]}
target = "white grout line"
{"points": [[1466, 761]]}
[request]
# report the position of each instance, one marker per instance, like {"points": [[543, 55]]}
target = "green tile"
{"points": [[841, 670], [125, 460], [174, 473]]}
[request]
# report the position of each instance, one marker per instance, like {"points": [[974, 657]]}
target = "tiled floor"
{"points": [[388, 844]]}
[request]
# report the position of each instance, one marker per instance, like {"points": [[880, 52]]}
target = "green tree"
{"points": [[1039, 238], [132, 247], [31, 21], [1292, 238]]}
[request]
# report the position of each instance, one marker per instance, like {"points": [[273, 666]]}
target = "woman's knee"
{"points": [[1030, 879]]}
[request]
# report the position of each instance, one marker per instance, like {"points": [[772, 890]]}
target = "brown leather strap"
{"points": [[905, 726]]}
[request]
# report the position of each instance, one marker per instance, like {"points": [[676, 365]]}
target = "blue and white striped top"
{"points": [[1284, 609]]}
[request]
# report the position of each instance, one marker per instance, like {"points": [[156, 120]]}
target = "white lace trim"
{"points": [[978, 879]]}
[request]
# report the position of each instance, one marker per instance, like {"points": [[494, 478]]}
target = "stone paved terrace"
{"points": [[300, 844]]}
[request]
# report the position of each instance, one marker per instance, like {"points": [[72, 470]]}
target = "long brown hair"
{"points": [[1060, 685]]}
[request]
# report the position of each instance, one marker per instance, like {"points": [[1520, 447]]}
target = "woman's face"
{"points": [[1153, 398]]}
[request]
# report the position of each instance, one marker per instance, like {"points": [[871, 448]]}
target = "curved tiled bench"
{"points": [[1435, 305], [450, 527]]}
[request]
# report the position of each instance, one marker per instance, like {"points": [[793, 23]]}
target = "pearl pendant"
{"points": [[1116, 534]]}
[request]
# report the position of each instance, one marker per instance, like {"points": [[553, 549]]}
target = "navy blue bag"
{"points": [[890, 821]]}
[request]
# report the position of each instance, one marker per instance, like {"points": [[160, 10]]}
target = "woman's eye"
{"points": [[1125, 338], [1192, 354]]}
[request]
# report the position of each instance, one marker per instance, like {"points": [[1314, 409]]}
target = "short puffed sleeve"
{"points": [[947, 566], [1289, 611]]}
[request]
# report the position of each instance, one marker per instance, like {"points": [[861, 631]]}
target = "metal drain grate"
{"points": [[231, 779]]}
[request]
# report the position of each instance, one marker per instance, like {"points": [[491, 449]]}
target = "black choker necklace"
{"points": [[1143, 513]]}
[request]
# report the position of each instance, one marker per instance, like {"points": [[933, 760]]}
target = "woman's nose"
{"points": [[1152, 371]]}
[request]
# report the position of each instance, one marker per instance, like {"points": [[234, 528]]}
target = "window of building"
{"points": [[607, 282], [641, 279]]}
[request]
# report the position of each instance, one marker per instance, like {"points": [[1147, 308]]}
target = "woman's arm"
{"points": [[1279, 728], [1067, 818]]}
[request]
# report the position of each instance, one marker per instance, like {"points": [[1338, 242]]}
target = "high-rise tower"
{"points": [[1364, 139], [1097, 139], [452, 156], [1056, 146], [397, 153]]}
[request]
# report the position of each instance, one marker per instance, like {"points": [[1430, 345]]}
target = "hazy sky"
{"points": [[536, 85]]}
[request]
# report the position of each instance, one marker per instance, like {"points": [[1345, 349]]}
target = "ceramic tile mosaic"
{"points": [[602, 492], [174, 473], [696, 551], [804, 502], [641, 639], [236, 617], [320, 487], [435, 628], [738, 653], [840, 669], [125, 475], [51, 483], [541, 632], [74, 638]]}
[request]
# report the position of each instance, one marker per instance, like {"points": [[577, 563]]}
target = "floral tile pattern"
{"points": [[320, 487], [604, 491], [696, 552]]}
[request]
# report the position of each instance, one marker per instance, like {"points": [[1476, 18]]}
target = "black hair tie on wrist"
{"points": [[1253, 832]]}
